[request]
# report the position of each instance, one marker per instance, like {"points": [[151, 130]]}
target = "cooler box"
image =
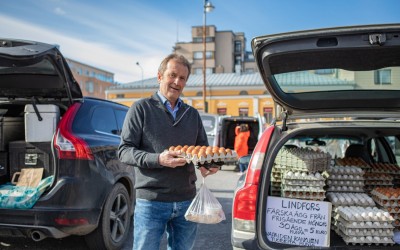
{"points": [[30, 155], [41, 130]]}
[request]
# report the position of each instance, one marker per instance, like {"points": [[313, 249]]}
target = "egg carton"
{"points": [[275, 179], [345, 189], [320, 196], [352, 162], [345, 183], [303, 159], [366, 231], [295, 175], [357, 213], [369, 240], [349, 170], [347, 201], [346, 177], [393, 210], [200, 160], [296, 182], [378, 183], [387, 203], [382, 196], [363, 224]]}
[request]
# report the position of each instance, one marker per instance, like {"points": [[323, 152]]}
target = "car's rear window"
{"points": [[335, 79], [44, 67]]}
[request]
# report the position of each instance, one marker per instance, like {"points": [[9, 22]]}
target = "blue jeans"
{"points": [[242, 167], [152, 218]]}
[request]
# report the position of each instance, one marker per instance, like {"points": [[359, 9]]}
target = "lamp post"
{"points": [[137, 63], [208, 7]]}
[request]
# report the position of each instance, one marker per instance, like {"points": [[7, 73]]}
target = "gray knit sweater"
{"points": [[148, 130]]}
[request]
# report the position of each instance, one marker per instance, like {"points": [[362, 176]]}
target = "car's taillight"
{"points": [[245, 200], [67, 144]]}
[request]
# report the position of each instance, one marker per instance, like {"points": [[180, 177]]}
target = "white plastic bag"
{"points": [[205, 208]]}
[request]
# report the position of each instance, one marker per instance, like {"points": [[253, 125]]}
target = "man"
{"points": [[164, 183]]}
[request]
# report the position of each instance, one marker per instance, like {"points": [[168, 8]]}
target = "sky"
{"points": [[114, 35]]}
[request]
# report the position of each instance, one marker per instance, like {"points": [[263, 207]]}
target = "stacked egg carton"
{"points": [[388, 198], [364, 225], [303, 159], [276, 181], [302, 185], [200, 155], [382, 175], [348, 199], [300, 170], [353, 161], [345, 179]]}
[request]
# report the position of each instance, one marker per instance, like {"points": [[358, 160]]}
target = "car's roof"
{"points": [[34, 69], [346, 69]]}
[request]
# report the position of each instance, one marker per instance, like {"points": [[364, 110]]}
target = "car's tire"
{"points": [[113, 228]]}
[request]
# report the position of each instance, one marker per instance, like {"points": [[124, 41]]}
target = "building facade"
{"points": [[93, 81], [225, 51]]}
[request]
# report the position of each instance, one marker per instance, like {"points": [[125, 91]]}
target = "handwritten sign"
{"points": [[298, 222]]}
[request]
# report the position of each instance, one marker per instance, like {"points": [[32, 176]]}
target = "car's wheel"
{"points": [[114, 223]]}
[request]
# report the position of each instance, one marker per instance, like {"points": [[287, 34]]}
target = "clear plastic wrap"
{"points": [[205, 208]]}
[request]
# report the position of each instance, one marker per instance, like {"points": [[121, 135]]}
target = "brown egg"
{"points": [[197, 147], [195, 151], [228, 150], [171, 148], [202, 153], [177, 148], [221, 150]]}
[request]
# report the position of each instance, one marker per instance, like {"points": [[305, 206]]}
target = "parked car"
{"points": [[338, 92], [46, 123], [211, 126]]}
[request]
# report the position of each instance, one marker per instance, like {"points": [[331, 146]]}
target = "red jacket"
{"points": [[241, 146]]}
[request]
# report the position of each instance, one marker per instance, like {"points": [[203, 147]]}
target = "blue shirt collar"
{"points": [[164, 100]]}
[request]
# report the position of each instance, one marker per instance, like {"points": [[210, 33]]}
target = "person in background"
{"points": [[242, 135], [164, 183]]}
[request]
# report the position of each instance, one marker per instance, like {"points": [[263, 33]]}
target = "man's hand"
{"points": [[171, 159], [205, 172]]}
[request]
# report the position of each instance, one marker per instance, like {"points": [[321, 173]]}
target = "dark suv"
{"points": [[45, 122]]}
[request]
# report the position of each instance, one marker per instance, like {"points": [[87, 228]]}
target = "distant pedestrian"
{"points": [[242, 149], [165, 184]]}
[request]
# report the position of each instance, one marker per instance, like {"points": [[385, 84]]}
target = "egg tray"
{"points": [[378, 183], [307, 195], [276, 179], [349, 170], [345, 189], [385, 203], [381, 196], [366, 203], [297, 182], [365, 231], [360, 217], [352, 162], [369, 240], [363, 224], [392, 210], [289, 175], [342, 177], [384, 168], [345, 183]]}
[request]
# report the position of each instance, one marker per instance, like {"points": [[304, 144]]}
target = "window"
{"points": [[221, 111], [103, 120], [243, 92], [238, 46], [383, 76], [200, 93], [89, 87], [199, 71], [120, 95], [199, 55], [267, 112], [243, 111], [324, 71], [120, 114]]}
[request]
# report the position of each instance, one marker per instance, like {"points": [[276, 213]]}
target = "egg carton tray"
{"points": [[381, 196], [366, 231], [392, 210], [360, 218], [344, 189], [345, 183], [319, 196], [369, 240], [342, 177], [297, 182], [365, 203], [363, 224], [387, 203]]}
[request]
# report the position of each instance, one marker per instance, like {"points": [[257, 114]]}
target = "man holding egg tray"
{"points": [[164, 181]]}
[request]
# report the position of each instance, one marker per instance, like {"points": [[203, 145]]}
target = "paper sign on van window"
{"points": [[298, 222]]}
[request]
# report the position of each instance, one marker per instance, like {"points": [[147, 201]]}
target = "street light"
{"points": [[137, 63], [208, 7]]}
